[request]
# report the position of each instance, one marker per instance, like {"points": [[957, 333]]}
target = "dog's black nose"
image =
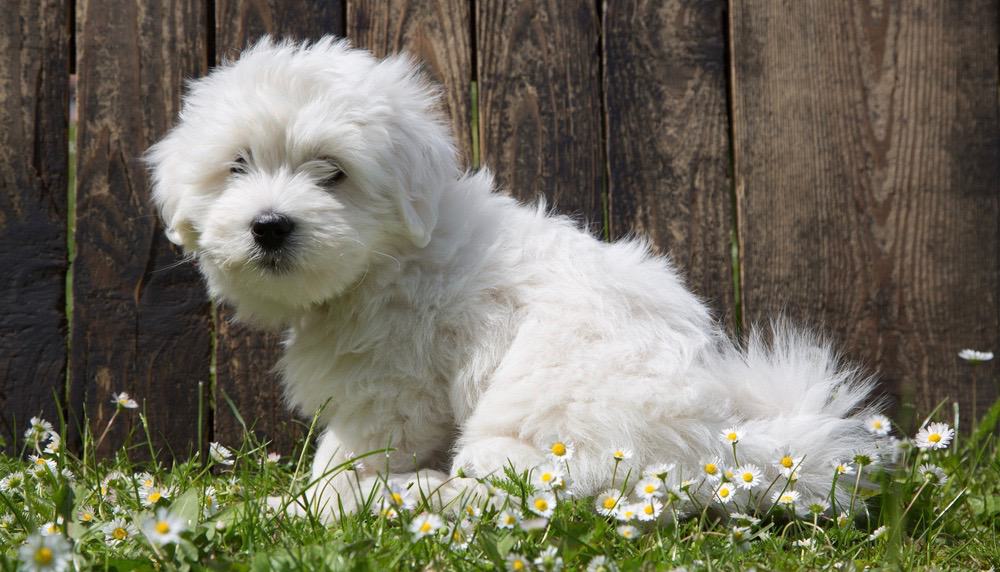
{"points": [[270, 230]]}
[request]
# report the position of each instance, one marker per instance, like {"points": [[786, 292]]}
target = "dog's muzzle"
{"points": [[271, 231]]}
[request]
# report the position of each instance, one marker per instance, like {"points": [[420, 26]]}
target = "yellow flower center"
{"points": [[162, 527], [546, 477], [425, 527], [43, 555], [517, 565], [619, 455], [732, 436], [119, 533], [648, 509], [747, 477], [86, 517], [729, 474], [723, 492], [147, 483], [154, 496], [877, 424], [541, 504], [457, 536], [40, 461], [934, 437], [558, 449], [509, 520], [711, 469], [786, 498], [610, 503], [650, 489], [397, 498], [787, 462]]}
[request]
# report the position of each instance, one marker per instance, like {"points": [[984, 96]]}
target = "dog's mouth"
{"points": [[272, 262]]}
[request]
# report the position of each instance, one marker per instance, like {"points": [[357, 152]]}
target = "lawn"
{"points": [[936, 507]]}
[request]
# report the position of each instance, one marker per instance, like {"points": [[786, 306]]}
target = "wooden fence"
{"points": [[835, 160]]}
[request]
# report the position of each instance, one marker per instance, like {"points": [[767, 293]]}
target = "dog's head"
{"points": [[291, 168]]}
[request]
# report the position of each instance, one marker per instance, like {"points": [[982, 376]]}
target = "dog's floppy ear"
{"points": [[169, 197], [419, 210]]}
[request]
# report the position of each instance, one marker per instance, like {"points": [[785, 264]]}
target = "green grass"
{"points": [[954, 525]]}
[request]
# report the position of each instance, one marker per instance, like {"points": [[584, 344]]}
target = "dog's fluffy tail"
{"points": [[792, 396]]}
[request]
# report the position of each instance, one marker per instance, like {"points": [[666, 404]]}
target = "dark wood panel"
{"points": [[246, 358], [540, 102], [141, 321], [668, 137], [34, 115], [438, 33], [867, 162]]}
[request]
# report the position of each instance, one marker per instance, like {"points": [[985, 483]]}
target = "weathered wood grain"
{"points": [[540, 102], [141, 321], [436, 32], [668, 137], [246, 358], [34, 115], [867, 163]]}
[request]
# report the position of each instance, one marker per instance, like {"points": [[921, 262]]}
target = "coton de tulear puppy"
{"points": [[319, 190]]}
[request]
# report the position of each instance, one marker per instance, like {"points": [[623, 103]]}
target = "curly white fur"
{"points": [[464, 328]]}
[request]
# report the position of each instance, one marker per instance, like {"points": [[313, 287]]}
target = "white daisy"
{"points": [[842, 468], [48, 553], [877, 533], [659, 471], [649, 509], [40, 466], [117, 531], [38, 428], [731, 436], [546, 477], [787, 463], [608, 501], [164, 528], [601, 564], [549, 560], [517, 563], [807, 543], [12, 482], [508, 519], [725, 493], [154, 494], [621, 454], [460, 536], [739, 534], [649, 487], [143, 480], [425, 524], [818, 506], [211, 501], [398, 495], [843, 519], [933, 473], [273, 458], [124, 401], [542, 504], [878, 424], [627, 531], [787, 498], [220, 454], [561, 451], [975, 356], [54, 444], [85, 515], [713, 469], [626, 511], [935, 436], [748, 476], [744, 519], [50, 528]]}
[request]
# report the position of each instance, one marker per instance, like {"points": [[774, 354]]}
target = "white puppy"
{"points": [[319, 190]]}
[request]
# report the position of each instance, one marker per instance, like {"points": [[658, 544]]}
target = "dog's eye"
{"points": [[330, 172], [238, 166]]}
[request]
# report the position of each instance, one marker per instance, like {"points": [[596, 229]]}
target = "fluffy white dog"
{"points": [[319, 190]]}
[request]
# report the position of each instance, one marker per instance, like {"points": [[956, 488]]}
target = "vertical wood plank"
{"points": [[436, 32], [668, 137], [141, 321], [245, 358], [867, 162], [540, 101], [34, 115]]}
